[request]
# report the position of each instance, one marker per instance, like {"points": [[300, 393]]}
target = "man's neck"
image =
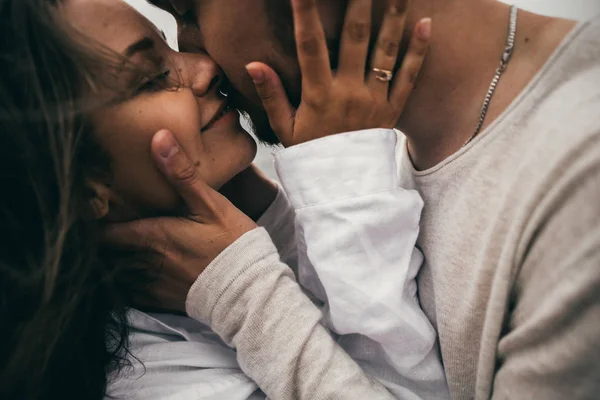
{"points": [[467, 44]]}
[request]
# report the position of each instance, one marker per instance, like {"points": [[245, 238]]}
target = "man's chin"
{"points": [[259, 124], [255, 116]]}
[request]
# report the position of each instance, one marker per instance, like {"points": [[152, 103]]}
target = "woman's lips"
{"points": [[227, 116]]}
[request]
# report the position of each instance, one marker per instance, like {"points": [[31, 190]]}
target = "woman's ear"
{"points": [[99, 201]]}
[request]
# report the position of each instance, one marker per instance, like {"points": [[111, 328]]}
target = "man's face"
{"points": [[235, 33]]}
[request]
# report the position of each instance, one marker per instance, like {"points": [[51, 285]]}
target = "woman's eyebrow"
{"points": [[142, 45]]}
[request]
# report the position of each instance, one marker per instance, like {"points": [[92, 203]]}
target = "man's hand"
{"points": [[350, 98], [181, 248]]}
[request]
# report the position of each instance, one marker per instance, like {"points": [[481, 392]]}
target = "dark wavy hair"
{"points": [[62, 307]]}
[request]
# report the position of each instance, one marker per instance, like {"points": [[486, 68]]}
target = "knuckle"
{"points": [[315, 99], [145, 233], [411, 75], [314, 102], [418, 50], [150, 245], [267, 95], [352, 104], [356, 102], [309, 45], [399, 6], [162, 230], [185, 173], [389, 47], [164, 253], [358, 31], [155, 241]]}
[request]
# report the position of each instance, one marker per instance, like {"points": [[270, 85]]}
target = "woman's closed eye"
{"points": [[155, 83]]}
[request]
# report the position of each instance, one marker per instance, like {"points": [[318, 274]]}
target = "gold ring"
{"points": [[383, 75]]}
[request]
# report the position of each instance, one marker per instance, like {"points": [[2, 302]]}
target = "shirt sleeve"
{"points": [[356, 230], [252, 301], [551, 341]]}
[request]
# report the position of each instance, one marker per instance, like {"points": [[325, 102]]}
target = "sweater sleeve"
{"points": [[551, 346], [251, 299]]}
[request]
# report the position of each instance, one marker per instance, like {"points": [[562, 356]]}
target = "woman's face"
{"points": [[192, 111]]}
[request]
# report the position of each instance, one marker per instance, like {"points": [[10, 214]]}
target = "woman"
{"points": [[77, 118], [78, 114]]}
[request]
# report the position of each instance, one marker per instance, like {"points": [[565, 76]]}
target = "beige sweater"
{"points": [[511, 236], [511, 281]]}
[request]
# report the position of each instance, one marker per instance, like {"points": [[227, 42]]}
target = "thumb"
{"points": [[274, 99], [182, 173]]}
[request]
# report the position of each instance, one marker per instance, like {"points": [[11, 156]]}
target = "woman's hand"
{"points": [[179, 249], [348, 99]]}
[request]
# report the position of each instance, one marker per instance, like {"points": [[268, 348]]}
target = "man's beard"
{"points": [[255, 115], [259, 124]]}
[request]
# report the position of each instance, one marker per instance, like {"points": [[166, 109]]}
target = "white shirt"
{"points": [[350, 234]]}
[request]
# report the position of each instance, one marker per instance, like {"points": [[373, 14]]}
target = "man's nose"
{"points": [[190, 39]]}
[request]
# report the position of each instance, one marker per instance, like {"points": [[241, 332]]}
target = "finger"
{"points": [[313, 56], [139, 235], [162, 290], [274, 99], [412, 64], [354, 46], [183, 174], [388, 45]]}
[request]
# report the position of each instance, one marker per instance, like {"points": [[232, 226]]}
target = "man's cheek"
{"points": [[242, 83]]}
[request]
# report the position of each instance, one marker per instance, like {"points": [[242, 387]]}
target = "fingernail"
{"points": [[424, 30], [257, 74], [167, 145]]}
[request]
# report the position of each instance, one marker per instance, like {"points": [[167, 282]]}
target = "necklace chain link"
{"points": [[506, 56]]}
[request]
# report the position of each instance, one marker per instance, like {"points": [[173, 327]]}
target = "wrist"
{"points": [[341, 166], [237, 263]]}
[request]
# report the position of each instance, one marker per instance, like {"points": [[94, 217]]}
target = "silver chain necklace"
{"points": [[508, 52]]}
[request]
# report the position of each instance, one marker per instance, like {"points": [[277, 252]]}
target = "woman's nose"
{"points": [[203, 75]]}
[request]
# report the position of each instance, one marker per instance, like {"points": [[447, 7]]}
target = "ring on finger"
{"points": [[383, 75]]}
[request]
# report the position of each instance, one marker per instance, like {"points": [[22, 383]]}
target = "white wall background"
{"points": [[574, 9], [162, 19]]}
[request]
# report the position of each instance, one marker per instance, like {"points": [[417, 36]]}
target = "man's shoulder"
{"points": [[555, 143], [568, 92], [559, 123]]}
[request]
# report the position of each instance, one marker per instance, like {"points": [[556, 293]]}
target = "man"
{"points": [[511, 227]]}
